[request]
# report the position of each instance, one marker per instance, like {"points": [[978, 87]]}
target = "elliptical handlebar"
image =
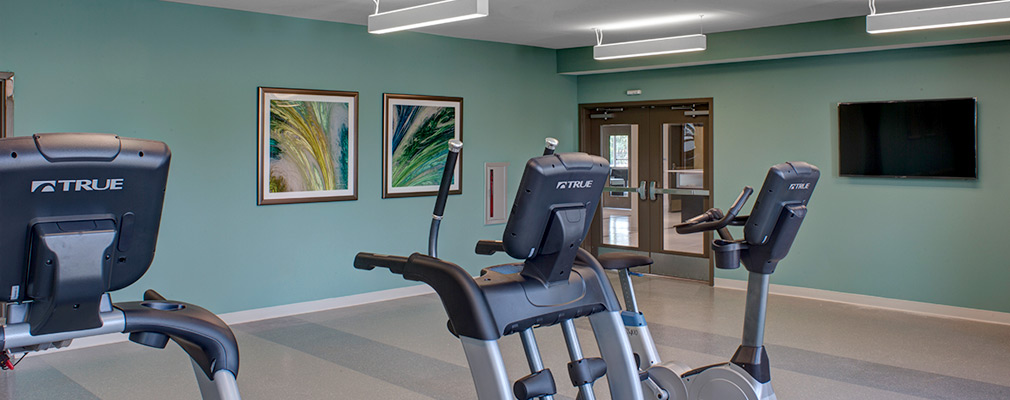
{"points": [[455, 146], [368, 262], [549, 145], [489, 247], [452, 283], [713, 219]]}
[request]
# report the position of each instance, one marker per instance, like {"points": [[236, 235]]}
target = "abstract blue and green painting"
{"points": [[309, 145], [418, 145]]}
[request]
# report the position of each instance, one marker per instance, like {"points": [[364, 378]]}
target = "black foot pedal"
{"points": [[586, 370], [537, 384]]}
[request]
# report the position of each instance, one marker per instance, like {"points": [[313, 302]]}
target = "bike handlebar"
{"points": [[713, 219]]}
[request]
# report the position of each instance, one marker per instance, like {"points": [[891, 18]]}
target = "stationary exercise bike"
{"points": [[79, 217], [557, 197], [768, 234]]}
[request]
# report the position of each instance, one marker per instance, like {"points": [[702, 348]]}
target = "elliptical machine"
{"points": [[768, 234], [79, 214], [557, 197]]}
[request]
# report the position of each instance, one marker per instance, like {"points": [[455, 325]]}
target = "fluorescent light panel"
{"points": [[440, 12], [939, 17], [650, 47]]}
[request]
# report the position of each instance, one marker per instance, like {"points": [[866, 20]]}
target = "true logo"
{"points": [[43, 186], [799, 186], [574, 185], [77, 185]]}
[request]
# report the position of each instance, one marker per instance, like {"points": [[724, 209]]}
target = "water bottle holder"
{"points": [[727, 253]]}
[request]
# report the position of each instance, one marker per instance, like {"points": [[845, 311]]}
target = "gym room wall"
{"points": [[188, 76], [931, 241]]}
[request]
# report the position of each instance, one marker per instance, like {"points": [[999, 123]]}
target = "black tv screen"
{"points": [[908, 139]]}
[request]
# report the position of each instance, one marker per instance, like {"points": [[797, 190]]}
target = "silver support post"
{"points": [[487, 368], [757, 305], [612, 339], [19, 335], [533, 354], [532, 350], [227, 388], [630, 303], [575, 352], [223, 387]]}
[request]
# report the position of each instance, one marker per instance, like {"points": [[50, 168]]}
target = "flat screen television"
{"points": [[908, 139]]}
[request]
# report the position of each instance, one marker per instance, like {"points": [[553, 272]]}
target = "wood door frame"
{"points": [[585, 122], [6, 104]]}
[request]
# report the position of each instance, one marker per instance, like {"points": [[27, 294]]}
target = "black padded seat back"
{"points": [[619, 260]]}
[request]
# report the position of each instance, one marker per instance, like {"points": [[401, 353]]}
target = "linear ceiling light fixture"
{"points": [[939, 17], [440, 12], [648, 47]]}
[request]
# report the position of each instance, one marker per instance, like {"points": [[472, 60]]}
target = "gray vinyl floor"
{"points": [[400, 349]]}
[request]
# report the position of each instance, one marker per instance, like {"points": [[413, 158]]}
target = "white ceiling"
{"points": [[562, 24]]}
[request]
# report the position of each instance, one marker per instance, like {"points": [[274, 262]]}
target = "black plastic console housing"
{"points": [[204, 336], [501, 301]]}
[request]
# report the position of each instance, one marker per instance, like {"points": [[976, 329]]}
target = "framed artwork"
{"points": [[6, 104], [415, 135], [308, 146]]}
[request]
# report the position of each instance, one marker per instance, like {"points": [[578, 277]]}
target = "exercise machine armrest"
{"points": [[369, 261], [489, 247], [464, 301], [203, 335]]}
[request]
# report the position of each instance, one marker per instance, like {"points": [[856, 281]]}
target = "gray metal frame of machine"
{"points": [[768, 235], [17, 338], [557, 197], [81, 217]]}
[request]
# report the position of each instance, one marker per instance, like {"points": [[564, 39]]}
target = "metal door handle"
{"points": [[641, 190], [652, 190]]}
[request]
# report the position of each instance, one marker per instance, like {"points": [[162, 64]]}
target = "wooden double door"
{"points": [[661, 156]]}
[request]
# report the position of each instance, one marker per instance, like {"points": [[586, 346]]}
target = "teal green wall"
{"points": [[922, 240], [188, 76]]}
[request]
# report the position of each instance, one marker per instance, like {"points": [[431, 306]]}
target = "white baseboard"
{"points": [[240, 317], [286, 310], [936, 310]]}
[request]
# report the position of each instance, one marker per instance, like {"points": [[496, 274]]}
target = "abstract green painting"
{"points": [[416, 134], [307, 145]]}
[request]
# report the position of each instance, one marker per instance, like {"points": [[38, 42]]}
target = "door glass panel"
{"points": [[619, 145], [684, 167]]}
